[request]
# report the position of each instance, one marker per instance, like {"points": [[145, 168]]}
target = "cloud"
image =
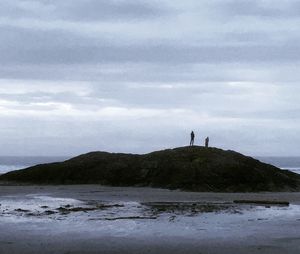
{"points": [[264, 9], [52, 48], [95, 10], [83, 10], [139, 75]]}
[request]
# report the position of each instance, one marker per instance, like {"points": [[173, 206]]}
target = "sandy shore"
{"points": [[96, 219]]}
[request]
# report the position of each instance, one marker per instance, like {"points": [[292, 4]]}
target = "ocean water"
{"points": [[290, 163], [10, 163]]}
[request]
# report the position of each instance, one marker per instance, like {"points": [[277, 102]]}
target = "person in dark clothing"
{"points": [[192, 138], [207, 142]]}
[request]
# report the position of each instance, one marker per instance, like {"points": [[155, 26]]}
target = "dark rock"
{"points": [[133, 218], [188, 168], [22, 210], [263, 202], [49, 212]]}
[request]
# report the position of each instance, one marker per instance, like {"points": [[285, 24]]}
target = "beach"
{"points": [[100, 219]]}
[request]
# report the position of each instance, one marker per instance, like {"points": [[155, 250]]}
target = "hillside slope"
{"points": [[189, 168]]}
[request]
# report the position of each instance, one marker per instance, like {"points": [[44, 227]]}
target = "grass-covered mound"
{"points": [[189, 168]]}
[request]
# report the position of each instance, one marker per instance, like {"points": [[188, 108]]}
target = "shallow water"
{"points": [[84, 219], [188, 219]]}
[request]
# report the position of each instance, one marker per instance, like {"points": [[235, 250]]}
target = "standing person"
{"points": [[206, 141], [192, 138]]}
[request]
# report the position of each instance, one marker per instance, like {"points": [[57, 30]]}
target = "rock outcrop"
{"points": [[189, 168]]}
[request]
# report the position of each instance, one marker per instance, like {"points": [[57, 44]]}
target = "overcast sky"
{"points": [[136, 76]]}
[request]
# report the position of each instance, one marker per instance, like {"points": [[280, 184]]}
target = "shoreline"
{"points": [[71, 189]]}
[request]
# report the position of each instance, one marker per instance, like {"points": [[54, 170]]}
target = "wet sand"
{"points": [[97, 219]]}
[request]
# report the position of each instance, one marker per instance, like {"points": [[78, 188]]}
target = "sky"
{"points": [[137, 76]]}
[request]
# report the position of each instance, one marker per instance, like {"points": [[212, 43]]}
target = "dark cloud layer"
{"points": [[83, 10], [258, 8], [95, 10], [160, 54]]}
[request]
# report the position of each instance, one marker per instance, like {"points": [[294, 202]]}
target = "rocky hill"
{"points": [[188, 168]]}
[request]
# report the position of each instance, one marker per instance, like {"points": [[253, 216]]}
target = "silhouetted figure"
{"points": [[207, 142], [192, 138]]}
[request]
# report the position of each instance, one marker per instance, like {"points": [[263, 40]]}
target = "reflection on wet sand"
{"points": [[59, 208], [145, 220]]}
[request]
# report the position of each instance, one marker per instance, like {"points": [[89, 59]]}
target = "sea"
{"points": [[290, 163], [10, 163]]}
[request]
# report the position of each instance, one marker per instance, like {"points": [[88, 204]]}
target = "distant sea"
{"points": [[10, 163], [290, 163]]}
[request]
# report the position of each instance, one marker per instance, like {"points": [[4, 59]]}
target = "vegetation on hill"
{"points": [[189, 168]]}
